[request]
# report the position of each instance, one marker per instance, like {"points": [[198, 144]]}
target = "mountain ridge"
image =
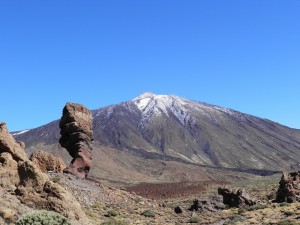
{"points": [[170, 127]]}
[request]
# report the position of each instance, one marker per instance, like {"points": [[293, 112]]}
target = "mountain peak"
{"points": [[144, 95]]}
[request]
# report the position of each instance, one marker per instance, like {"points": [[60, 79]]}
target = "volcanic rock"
{"points": [[236, 198], [289, 188], [77, 136], [8, 144], [178, 210], [24, 186], [212, 205], [47, 162]]}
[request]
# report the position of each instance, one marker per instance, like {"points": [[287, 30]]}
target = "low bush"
{"points": [[114, 222], [148, 213], [257, 206], [41, 217], [288, 213], [112, 213], [234, 219], [195, 219]]}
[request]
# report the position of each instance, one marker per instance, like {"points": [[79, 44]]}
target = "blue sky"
{"points": [[238, 54]]}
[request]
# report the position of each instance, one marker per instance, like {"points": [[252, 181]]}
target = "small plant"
{"points": [[195, 219], [148, 213], [96, 206], [112, 213], [55, 179], [287, 222], [283, 204], [288, 213], [234, 219], [257, 206], [226, 206], [43, 217], [113, 222]]}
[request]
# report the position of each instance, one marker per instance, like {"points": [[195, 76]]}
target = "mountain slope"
{"points": [[173, 128]]}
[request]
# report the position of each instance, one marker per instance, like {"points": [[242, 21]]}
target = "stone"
{"points": [[8, 144], [288, 190], [47, 162], [236, 198], [211, 205], [77, 136], [178, 210]]}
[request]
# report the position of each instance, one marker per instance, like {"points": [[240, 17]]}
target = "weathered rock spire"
{"points": [[77, 136]]}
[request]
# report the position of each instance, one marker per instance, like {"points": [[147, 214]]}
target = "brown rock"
{"points": [[77, 136], [23, 185], [8, 144], [211, 205], [9, 177], [289, 188], [47, 162], [236, 198]]}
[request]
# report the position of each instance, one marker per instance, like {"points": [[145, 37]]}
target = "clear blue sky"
{"points": [[242, 54]]}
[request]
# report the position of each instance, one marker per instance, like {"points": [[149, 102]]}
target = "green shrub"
{"points": [[55, 179], [148, 213], [287, 222], [195, 219], [288, 213], [234, 219], [113, 222], [112, 213], [282, 204], [41, 217], [257, 206]]}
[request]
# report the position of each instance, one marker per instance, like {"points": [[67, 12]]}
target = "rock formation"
{"points": [[236, 198], [8, 144], [47, 162], [212, 205], [289, 188], [23, 186], [77, 136]]}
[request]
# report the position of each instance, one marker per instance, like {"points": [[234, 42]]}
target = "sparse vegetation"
{"points": [[148, 213], [195, 219], [55, 179], [257, 207], [234, 219], [113, 222], [287, 222], [40, 217], [112, 213], [288, 213]]}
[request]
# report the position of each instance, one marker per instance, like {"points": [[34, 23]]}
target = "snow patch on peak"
{"points": [[144, 95], [151, 104], [20, 132]]}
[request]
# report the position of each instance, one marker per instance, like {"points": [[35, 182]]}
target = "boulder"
{"points": [[76, 136], [212, 205], [236, 198], [24, 186], [8, 144], [289, 188], [47, 162]]}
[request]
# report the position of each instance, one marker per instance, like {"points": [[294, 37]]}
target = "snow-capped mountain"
{"points": [[169, 127]]}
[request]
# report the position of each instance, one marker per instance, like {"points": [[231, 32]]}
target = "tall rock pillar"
{"points": [[76, 136]]}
